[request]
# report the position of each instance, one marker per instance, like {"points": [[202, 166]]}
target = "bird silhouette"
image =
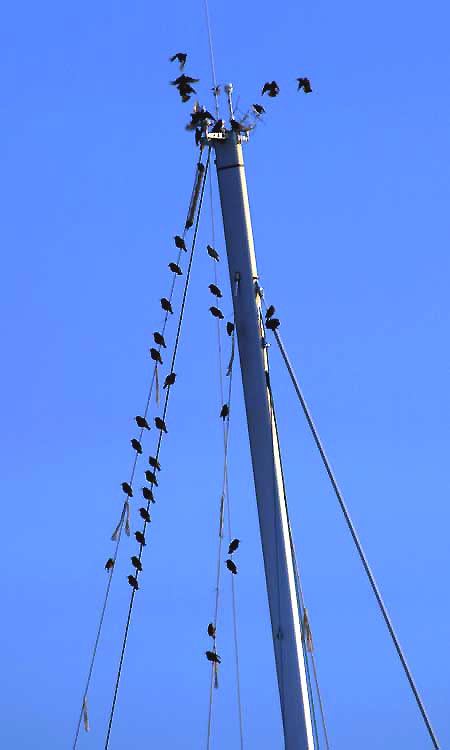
{"points": [[133, 582], [216, 312], [176, 269], [199, 117], [230, 328], [151, 477], [212, 630], [272, 89], [127, 489], [231, 566], [225, 411], [215, 290], [180, 243], [212, 656], [170, 380], [136, 563], [140, 537], [148, 494], [259, 109], [183, 80], [109, 564], [239, 127], [272, 324], [165, 304], [212, 253], [145, 514], [160, 424], [142, 423], [218, 126], [156, 355], [154, 462], [305, 84], [136, 445], [234, 544], [270, 311], [181, 57], [159, 339], [183, 84]]}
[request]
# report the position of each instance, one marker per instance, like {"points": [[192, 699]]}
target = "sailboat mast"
{"points": [[265, 452]]}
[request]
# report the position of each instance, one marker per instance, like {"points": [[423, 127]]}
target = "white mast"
{"points": [[273, 522]]}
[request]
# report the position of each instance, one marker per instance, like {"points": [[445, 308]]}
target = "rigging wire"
{"points": [[356, 541], [211, 57], [166, 402]]}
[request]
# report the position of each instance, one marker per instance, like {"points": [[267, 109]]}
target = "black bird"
{"points": [[270, 311], [133, 582], [234, 544], [151, 478], [225, 411], [305, 84], [142, 423], [218, 127], [159, 339], [137, 563], [136, 445], [212, 253], [215, 290], [272, 324], [230, 328], [231, 566], [165, 304], [160, 424], [148, 494], [145, 514], [198, 137], [216, 312], [170, 380], [183, 80], [259, 109], [180, 243], [176, 269], [272, 89], [212, 630], [181, 57], [212, 656], [199, 117], [109, 564], [239, 127], [156, 355], [140, 537], [154, 462], [127, 489]]}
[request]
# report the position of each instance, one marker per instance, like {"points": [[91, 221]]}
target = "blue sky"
{"points": [[349, 193]]}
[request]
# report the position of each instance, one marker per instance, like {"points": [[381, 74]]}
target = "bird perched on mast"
{"points": [[181, 57], [272, 88]]}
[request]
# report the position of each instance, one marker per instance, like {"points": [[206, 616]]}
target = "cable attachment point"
{"points": [[237, 279]]}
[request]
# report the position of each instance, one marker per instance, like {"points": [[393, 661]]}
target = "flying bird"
{"points": [[136, 445], [225, 411], [212, 656], [151, 477], [170, 380], [212, 253], [109, 564], [270, 311], [154, 462], [160, 424], [159, 339], [234, 544], [127, 489], [181, 57], [183, 80], [272, 89], [133, 582], [215, 290], [148, 494], [145, 514], [176, 269], [142, 423], [305, 84], [165, 304], [230, 328], [231, 566], [259, 109], [272, 324], [136, 563], [216, 312], [180, 243], [140, 537], [212, 630]]}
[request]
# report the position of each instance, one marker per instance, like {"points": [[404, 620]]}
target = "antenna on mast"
{"points": [[228, 88]]}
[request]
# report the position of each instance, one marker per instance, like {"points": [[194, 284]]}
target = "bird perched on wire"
{"points": [[133, 582], [215, 290], [159, 339], [140, 537], [109, 564], [272, 89], [170, 380], [136, 445], [155, 463], [156, 355], [270, 311], [180, 243], [176, 269], [212, 252], [216, 312], [142, 423], [181, 57], [234, 544], [212, 630], [143, 512], [160, 424], [305, 84], [127, 489], [213, 657], [166, 306], [151, 477], [230, 328], [225, 411], [231, 566], [148, 494], [258, 109], [136, 563], [272, 324]]}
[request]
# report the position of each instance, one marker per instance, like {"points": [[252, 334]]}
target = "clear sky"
{"points": [[349, 192]]}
